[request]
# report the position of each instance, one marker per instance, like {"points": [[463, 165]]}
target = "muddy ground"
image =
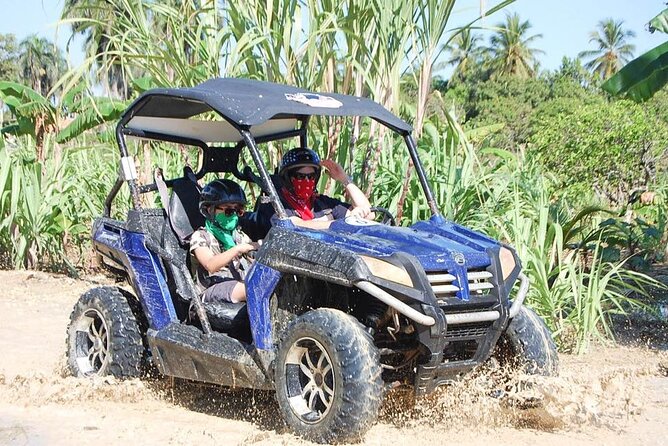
{"points": [[616, 395]]}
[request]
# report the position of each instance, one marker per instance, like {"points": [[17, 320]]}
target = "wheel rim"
{"points": [[91, 342], [310, 381]]}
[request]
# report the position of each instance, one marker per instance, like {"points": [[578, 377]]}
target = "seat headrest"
{"points": [[184, 215]]}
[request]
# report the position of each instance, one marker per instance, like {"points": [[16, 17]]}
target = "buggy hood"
{"points": [[437, 244]]}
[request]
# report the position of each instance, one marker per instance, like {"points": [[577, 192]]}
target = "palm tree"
{"points": [[510, 51], [464, 51], [94, 19], [116, 31], [41, 63], [613, 50]]}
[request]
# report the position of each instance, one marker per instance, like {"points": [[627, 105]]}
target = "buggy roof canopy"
{"points": [[264, 107]]}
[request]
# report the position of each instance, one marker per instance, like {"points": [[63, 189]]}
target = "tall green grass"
{"points": [[46, 208], [43, 209]]}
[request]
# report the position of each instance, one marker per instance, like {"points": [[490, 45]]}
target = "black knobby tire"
{"points": [[103, 336], [330, 353], [147, 366], [528, 345]]}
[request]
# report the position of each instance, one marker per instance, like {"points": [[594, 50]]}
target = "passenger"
{"points": [[299, 173], [220, 249]]}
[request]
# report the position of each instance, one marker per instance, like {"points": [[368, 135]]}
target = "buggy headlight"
{"points": [[507, 260], [387, 271]]}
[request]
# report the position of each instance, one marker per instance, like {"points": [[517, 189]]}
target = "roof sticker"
{"points": [[314, 100]]}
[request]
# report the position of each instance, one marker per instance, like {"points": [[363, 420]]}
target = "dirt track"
{"points": [[613, 396]]}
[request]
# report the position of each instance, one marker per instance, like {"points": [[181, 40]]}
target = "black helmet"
{"points": [[220, 192], [296, 158]]}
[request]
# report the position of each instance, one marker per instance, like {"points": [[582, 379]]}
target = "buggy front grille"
{"points": [[466, 331], [445, 286]]}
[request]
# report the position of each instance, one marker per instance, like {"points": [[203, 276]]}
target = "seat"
{"points": [[257, 223], [228, 316], [184, 214]]}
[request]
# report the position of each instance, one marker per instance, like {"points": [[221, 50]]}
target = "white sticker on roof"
{"points": [[314, 100]]}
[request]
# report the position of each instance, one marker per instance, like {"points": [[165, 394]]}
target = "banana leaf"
{"points": [[98, 112], [642, 77], [660, 22]]}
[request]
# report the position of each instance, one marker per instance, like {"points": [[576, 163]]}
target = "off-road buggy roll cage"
{"points": [[253, 112]]}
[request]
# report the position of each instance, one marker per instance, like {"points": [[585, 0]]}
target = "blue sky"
{"points": [[564, 24]]}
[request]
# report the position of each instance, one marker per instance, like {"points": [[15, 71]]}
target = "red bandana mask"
{"points": [[301, 197], [303, 189]]}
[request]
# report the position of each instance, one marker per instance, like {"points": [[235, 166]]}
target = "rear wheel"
{"points": [[328, 377], [528, 346], [103, 336]]}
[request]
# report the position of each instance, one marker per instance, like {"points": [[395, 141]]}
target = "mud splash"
{"points": [[39, 405], [490, 397], [41, 389], [496, 398]]}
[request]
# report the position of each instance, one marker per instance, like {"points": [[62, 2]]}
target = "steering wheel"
{"points": [[388, 218]]}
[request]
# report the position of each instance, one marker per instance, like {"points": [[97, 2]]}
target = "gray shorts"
{"points": [[220, 292]]}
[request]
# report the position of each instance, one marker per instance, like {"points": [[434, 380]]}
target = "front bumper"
{"points": [[478, 331]]}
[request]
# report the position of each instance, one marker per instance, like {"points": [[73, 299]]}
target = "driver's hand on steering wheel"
{"points": [[362, 212]]}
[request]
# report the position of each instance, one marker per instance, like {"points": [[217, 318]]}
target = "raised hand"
{"points": [[335, 171]]}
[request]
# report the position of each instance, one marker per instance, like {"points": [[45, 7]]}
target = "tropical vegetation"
{"points": [[510, 49], [643, 77], [612, 50], [546, 161]]}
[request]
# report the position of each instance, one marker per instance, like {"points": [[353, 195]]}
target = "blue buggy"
{"points": [[334, 317]]}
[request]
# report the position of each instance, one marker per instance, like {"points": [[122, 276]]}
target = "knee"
{"points": [[238, 293]]}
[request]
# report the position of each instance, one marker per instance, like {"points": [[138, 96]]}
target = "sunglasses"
{"points": [[231, 211], [303, 176]]}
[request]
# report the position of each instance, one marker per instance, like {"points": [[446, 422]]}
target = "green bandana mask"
{"points": [[222, 228]]}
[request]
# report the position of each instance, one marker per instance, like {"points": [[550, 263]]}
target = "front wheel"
{"points": [[527, 345], [103, 337], [328, 377]]}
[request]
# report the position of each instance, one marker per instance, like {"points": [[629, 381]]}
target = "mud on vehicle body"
{"points": [[334, 317]]}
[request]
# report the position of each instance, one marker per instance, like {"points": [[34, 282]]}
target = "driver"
{"points": [[219, 249], [299, 173]]}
